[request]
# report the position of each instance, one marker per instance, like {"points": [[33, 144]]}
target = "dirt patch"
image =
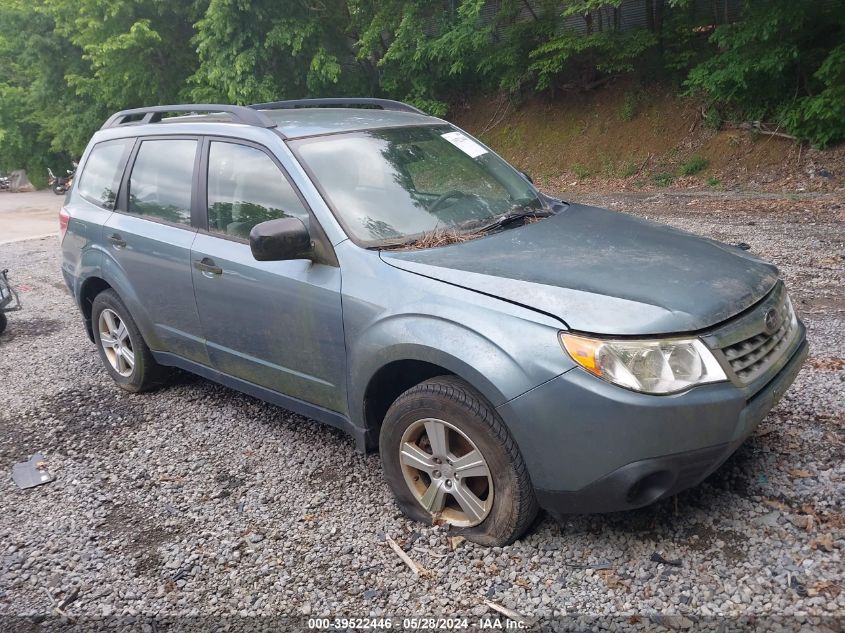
{"points": [[28, 328], [141, 539], [85, 418], [826, 364], [701, 538]]}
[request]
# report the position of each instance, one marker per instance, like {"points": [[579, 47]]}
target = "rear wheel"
{"points": [[449, 458], [3, 322], [122, 349]]}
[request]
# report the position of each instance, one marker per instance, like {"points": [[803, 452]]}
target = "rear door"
{"points": [[274, 324], [148, 239]]}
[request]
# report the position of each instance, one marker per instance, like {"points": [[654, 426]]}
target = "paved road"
{"points": [[24, 216]]}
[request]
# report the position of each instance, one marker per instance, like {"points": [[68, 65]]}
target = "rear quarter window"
{"points": [[101, 175]]}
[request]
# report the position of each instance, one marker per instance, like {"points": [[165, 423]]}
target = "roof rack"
{"points": [[381, 104], [153, 114]]}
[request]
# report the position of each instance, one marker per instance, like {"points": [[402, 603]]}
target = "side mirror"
{"points": [[281, 239]]}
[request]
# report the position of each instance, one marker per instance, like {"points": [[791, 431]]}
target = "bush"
{"points": [[630, 106], [713, 119], [694, 165], [821, 118]]}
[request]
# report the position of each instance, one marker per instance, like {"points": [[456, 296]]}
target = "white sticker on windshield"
{"points": [[465, 144]]}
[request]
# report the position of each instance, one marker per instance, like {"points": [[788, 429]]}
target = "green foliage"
{"points": [[572, 54], [821, 117], [713, 119], [68, 64], [627, 169], [631, 104], [784, 62], [264, 50], [714, 183], [662, 180], [694, 165]]}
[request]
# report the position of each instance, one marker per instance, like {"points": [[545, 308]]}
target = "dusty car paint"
{"points": [[604, 272]]}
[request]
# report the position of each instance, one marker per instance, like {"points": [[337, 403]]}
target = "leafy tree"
{"points": [[264, 50], [605, 48], [782, 61], [68, 64]]}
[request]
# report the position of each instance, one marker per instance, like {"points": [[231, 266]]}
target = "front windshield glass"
{"points": [[390, 186]]}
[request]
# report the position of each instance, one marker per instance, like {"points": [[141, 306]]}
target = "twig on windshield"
{"points": [[436, 237]]}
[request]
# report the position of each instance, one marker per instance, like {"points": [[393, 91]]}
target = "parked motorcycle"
{"points": [[60, 184]]}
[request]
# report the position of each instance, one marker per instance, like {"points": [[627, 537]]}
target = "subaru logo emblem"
{"points": [[771, 322]]}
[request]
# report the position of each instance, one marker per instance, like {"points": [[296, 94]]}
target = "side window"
{"points": [[103, 170], [160, 183], [245, 188]]}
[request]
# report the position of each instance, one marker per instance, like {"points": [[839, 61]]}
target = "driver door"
{"points": [[274, 324]]}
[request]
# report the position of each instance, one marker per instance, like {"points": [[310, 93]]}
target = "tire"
{"points": [[144, 373], [4, 321], [59, 190], [504, 503]]}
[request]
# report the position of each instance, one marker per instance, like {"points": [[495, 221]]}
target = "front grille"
{"points": [[751, 357]]}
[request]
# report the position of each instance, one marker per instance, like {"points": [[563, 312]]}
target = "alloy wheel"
{"points": [[116, 343], [446, 472]]}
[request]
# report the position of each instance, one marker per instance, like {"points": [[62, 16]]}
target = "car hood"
{"points": [[603, 272]]}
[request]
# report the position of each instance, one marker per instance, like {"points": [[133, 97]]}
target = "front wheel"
{"points": [[59, 190], [3, 322], [449, 458]]}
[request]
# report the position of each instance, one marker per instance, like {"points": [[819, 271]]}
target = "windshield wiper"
{"points": [[515, 215]]}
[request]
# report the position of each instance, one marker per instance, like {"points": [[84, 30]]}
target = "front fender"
{"points": [[501, 349]]}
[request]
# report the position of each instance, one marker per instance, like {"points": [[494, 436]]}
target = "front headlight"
{"points": [[656, 366]]}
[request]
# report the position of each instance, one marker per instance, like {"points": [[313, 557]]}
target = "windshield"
{"points": [[393, 185]]}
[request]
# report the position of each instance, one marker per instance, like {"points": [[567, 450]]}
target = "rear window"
{"points": [[161, 180], [101, 176]]}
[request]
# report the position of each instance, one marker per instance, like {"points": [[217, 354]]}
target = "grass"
{"points": [[629, 106], [632, 104], [662, 180], [715, 183], [694, 165], [628, 169], [713, 120], [580, 170]]}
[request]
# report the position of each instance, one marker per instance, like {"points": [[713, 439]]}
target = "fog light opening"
{"points": [[650, 488]]}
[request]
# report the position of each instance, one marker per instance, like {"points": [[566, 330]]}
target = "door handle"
{"points": [[117, 241], [207, 267]]}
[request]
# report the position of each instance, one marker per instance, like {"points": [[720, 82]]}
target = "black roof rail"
{"points": [[381, 104], [153, 114]]}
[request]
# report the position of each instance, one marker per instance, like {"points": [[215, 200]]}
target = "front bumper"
{"points": [[593, 447]]}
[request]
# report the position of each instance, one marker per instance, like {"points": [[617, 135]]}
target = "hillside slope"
{"points": [[627, 136]]}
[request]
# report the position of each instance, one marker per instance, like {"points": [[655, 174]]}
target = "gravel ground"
{"points": [[196, 500]]}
